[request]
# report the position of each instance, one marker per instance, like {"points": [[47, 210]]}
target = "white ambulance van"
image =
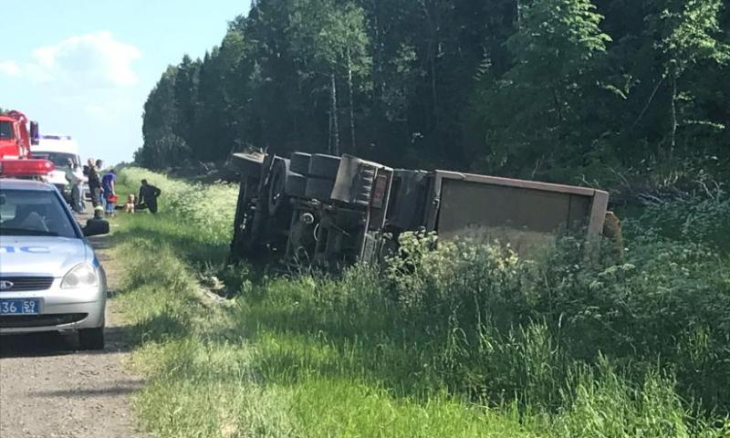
{"points": [[58, 149]]}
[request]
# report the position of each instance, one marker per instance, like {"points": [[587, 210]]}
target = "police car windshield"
{"points": [[33, 213]]}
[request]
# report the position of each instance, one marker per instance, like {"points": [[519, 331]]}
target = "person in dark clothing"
{"points": [[148, 195], [94, 183], [99, 166]]}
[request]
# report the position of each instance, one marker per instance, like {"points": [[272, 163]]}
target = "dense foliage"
{"points": [[560, 89]]}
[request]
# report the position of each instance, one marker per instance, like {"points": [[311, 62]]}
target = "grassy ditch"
{"points": [[470, 342]]}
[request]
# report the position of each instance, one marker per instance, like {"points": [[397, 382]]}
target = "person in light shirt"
{"points": [[77, 200]]}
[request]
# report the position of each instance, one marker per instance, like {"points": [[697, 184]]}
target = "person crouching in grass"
{"points": [[148, 195]]}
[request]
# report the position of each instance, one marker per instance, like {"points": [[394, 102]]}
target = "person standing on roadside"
{"points": [[148, 195], [94, 184], [107, 188], [99, 165], [77, 201]]}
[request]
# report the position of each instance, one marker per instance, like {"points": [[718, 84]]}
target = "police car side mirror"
{"points": [[96, 227]]}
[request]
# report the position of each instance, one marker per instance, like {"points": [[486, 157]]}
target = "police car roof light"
{"points": [[25, 168]]}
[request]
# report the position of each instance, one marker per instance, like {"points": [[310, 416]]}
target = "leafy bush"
{"points": [[702, 220], [668, 304]]}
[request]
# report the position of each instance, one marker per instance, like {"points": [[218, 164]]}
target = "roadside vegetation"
{"points": [[462, 341]]}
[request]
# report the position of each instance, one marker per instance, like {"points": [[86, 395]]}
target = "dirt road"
{"points": [[49, 389]]}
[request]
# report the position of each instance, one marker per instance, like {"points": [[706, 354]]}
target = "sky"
{"points": [[85, 67]]}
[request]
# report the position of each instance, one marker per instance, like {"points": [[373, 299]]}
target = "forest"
{"points": [[599, 92]]}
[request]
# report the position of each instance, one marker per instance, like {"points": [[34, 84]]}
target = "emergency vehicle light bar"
{"points": [[25, 168]]}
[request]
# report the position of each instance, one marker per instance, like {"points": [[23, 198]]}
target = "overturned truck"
{"points": [[330, 212]]}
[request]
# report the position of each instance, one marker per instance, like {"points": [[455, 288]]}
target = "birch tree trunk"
{"points": [[335, 131]]}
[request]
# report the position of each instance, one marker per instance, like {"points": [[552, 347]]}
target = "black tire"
{"points": [[300, 163], [277, 185], [324, 166], [296, 185], [319, 189], [239, 218], [92, 339], [247, 164]]}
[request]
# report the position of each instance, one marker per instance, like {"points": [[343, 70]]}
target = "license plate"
{"points": [[20, 307]]}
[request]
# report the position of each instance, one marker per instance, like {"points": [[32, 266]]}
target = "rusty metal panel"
{"points": [[432, 202], [383, 191], [518, 183], [579, 212], [598, 212], [467, 204], [526, 217]]}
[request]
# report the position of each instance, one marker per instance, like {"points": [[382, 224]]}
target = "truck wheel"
{"points": [[324, 166], [247, 164], [296, 185], [300, 163], [277, 185], [319, 188]]}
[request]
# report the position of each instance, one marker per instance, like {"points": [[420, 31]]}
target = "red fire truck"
{"points": [[15, 142], [15, 138]]}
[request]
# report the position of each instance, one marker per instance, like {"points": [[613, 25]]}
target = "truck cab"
{"points": [[15, 138]]}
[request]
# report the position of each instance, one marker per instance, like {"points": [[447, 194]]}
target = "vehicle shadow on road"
{"points": [[100, 242], [118, 387], [59, 344]]}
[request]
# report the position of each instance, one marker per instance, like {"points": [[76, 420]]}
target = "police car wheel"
{"points": [[92, 339]]}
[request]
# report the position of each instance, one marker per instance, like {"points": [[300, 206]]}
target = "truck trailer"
{"points": [[331, 212]]}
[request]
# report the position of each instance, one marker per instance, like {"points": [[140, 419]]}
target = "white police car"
{"points": [[50, 278]]}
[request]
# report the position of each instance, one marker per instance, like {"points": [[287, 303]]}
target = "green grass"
{"points": [[208, 378], [407, 356]]}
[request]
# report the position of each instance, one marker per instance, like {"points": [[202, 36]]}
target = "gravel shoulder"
{"points": [[50, 389]]}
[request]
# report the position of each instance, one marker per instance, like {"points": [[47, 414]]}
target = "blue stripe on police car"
{"points": [[25, 249]]}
